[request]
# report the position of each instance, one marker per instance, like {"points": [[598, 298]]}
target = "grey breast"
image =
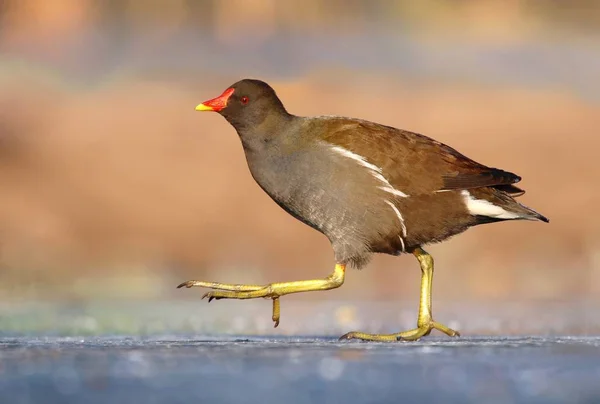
{"points": [[330, 192]]}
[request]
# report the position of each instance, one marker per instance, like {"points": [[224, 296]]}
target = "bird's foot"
{"points": [[233, 291], [238, 291], [271, 291], [423, 329]]}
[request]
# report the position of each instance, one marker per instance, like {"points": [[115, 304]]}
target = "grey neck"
{"points": [[269, 133]]}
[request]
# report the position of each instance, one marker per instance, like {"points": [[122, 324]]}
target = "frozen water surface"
{"points": [[255, 369]]}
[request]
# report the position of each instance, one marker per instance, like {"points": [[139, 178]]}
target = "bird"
{"points": [[369, 188]]}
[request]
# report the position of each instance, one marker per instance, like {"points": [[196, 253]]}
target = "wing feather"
{"points": [[414, 163]]}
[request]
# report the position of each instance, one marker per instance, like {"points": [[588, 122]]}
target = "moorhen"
{"points": [[369, 188]]}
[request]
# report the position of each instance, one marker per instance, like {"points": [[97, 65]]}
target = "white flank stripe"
{"points": [[375, 171], [361, 160], [394, 191], [402, 242], [399, 217], [486, 208]]}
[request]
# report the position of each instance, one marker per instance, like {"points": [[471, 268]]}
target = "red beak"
{"points": [[216, 104]]}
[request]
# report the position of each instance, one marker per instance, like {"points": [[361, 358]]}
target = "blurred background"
{"points": [[113, 190]]}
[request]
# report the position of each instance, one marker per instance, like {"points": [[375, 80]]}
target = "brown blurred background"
{"points": [[112, 187]]}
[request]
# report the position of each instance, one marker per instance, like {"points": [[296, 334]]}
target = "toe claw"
{"points": [[211, 296], [347, 336], [187, 284]]}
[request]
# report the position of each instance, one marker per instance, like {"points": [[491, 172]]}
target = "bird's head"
{"points": [[246, 104]]}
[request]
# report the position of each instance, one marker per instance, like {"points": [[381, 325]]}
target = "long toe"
{"points": [[187, 284], [446, 330], [424, 330], [368, 337]]}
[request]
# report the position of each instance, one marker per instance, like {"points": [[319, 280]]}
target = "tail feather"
{"points": [[531, 214], [496, 204]]}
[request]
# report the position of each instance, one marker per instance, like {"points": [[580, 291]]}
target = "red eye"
{"points": [[244, 100]]}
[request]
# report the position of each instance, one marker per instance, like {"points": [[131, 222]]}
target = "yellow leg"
{"points": [[425, 323], [271, 291]]}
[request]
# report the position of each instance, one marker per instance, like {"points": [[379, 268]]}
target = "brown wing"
{"points": [[414, 163]]}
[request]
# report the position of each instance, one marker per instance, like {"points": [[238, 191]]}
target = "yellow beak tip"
{"points": [[202, 107]]}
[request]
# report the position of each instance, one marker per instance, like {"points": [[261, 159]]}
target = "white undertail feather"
{"points": [[375, 171], [482, 207]]}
